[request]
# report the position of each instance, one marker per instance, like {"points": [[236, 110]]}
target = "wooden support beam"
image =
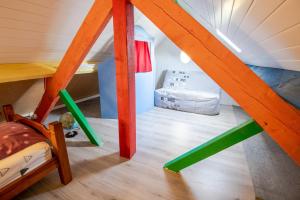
{"points": [[278, 118], [215, 145], [92, 26], [125, 74], [78, 115]]}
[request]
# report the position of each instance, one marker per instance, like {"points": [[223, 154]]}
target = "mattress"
{"points": [[188, 101], [22, 162], [189, 91]]}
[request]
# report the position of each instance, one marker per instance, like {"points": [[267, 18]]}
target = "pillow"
{"points": [[190, 80]]}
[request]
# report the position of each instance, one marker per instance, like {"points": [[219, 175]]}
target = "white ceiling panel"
{"points": [[239, 12], [283, 39], [217, 5], [267, 31], [42, 30]]}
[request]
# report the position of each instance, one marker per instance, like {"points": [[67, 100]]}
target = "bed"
{"points": [[189, 91], [29, 152]]}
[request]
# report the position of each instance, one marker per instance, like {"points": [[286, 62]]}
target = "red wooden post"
{"points": [[125, 74], [89, 31]]}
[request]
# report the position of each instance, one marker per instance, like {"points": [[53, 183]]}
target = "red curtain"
{"points": [[143, 60]]}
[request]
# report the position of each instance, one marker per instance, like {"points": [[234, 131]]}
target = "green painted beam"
{"points": [[78, 115], [215, 145]]}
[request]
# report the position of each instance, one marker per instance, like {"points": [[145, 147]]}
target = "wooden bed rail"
{"points": [[59, 149], [14, 188], [59, 160], [8, 112], [11, 116]]}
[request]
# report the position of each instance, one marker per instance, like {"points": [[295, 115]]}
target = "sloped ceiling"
{"points": [[267, 31], [38, 30], [41, 30]]}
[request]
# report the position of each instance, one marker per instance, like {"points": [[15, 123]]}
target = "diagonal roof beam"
{"points": [[278, 118], [91, 28]]}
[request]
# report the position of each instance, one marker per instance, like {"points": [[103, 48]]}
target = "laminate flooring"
{"points": [[162, 134]]}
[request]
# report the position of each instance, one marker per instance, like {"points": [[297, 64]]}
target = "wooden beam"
{"points": [[86, 36], [215, 145], [125, 74], [277, 117], [78, 115]]}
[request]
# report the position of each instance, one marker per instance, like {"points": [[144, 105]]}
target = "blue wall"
{"points": [[107, 87], [285, 82], [144, 83]]}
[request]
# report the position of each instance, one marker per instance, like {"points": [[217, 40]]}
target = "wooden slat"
{"points": [[19, 72], [87, 69], [27, 71], [87, 35], [278, 118], [125, 75]]}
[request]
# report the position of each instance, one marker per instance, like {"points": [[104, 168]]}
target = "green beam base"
{"points": [[78, 115], [217, 144]]}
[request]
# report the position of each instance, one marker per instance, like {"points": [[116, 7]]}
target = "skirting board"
{"points": [[63, 105], [78, 101]]}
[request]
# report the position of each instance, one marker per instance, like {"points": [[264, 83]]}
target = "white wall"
{"points": [[167, 57], [26, 95]]}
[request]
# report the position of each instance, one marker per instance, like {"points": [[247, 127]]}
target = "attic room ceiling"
{"points": [[41, 30], [267, 31]]}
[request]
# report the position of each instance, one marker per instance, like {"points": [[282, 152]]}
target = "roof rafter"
{"points": [[91, 28]]}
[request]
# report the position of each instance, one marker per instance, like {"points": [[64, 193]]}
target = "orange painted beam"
{"points": [[123, 19], [89, 31], [277, 117]]}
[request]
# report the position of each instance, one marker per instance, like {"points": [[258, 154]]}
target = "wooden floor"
{"points": [[99, 173]]}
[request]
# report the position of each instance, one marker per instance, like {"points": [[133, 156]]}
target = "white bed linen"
{"points": [[188, 101], [22, 162], [189, 91]]}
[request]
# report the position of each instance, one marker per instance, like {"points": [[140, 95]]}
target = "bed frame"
{"points": [[59, 159]]}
